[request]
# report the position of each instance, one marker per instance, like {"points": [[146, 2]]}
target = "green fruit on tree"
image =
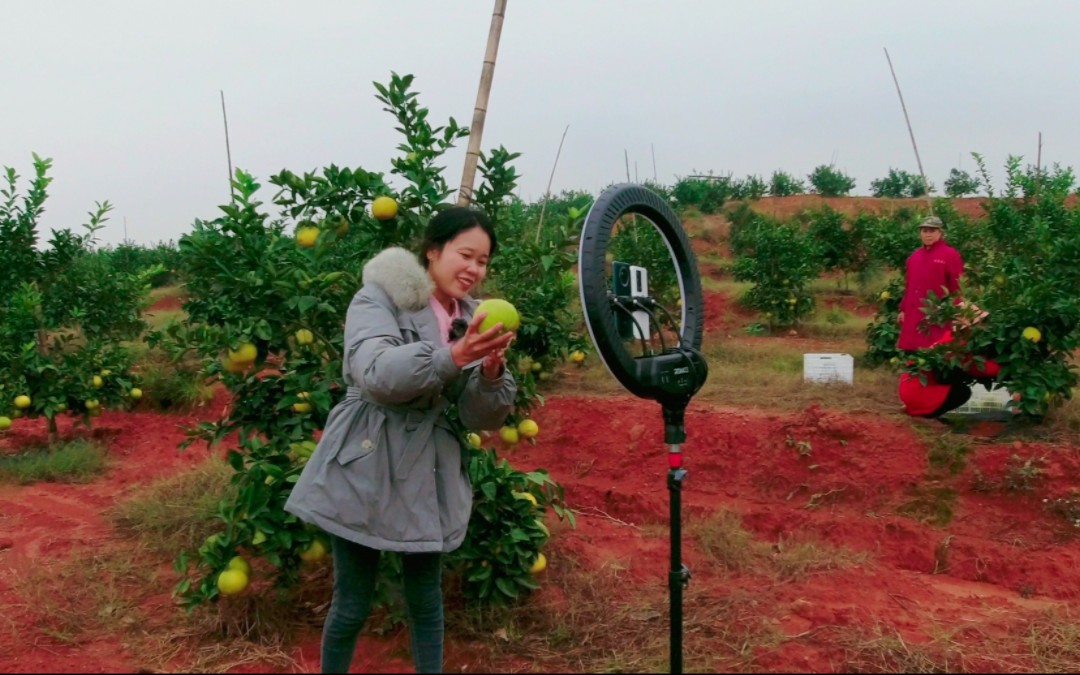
{"points": [[5, 423], [537, 367], [232, 581], [544, 376], [239, 563], [22, 402], [258, 538], [315, 551], [304, 337], [498, 311], [306, 236], [135, 393], [528, 428], [384, 208], [509, 434], [343, 227], [245, 354]]}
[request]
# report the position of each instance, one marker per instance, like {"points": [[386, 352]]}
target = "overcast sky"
{"points": [[124, 96]]}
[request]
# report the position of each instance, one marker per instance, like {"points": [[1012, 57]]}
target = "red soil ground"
{"points": [[1008, 556]]}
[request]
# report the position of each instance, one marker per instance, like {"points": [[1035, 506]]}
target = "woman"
{"points": [[389, 473]]}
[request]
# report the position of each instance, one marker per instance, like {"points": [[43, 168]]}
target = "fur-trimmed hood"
{"points": [[398, 272]]}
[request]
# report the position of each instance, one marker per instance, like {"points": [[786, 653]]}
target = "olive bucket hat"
{"points": [[932, 221]]}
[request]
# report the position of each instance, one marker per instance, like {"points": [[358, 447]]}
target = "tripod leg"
{"points": [[679, 575]]}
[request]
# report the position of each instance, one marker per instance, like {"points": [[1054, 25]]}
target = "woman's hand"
{"points": [[475, 345], [493, 364]]}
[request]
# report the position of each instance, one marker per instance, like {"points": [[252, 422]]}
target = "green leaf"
{"points": [[507, 587]]}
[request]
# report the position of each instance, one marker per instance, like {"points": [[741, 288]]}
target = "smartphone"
{"points": [[631, 280]]}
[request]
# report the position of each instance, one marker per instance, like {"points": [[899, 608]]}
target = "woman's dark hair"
{"points": [[449, 223]]}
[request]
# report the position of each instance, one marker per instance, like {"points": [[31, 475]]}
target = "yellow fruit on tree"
{"points": [[528, 428], [92, 404], [306, 236], [239, 563], [577, 356], [22, 402], [246, 353], [539, 565], [885, 295], [384, 208], [537, 366], [498, 311], [315, 552], [1032, 333], [233, 366], [544, 376], [5, 423], [304, 337], [97, 381], [474, 440], [135, 393], [509, 435], [301, 407], [106, 372], [232, 581]]}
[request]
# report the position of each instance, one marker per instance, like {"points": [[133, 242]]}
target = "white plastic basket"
{"points": [[984, 401], [829, 368]]}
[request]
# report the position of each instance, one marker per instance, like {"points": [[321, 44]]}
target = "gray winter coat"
{"points": [[389, 472]]}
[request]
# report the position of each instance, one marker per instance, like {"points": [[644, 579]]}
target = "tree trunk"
{"points": [[472, 155]]}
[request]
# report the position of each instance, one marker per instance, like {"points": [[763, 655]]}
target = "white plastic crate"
{"points": [[985, 401], [829, 368]]}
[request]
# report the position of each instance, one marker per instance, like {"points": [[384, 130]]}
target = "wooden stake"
{"points": [[926, 185], [472, 155], [547, 195]]}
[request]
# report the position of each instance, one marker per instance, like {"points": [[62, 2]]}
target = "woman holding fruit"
{"points": [[389, 473]]}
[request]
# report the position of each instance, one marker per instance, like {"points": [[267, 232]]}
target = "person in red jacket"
{"points": [[947, 392], [934, 266]]}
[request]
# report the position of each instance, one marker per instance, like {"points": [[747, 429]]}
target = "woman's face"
{"points": [[461, 264]]}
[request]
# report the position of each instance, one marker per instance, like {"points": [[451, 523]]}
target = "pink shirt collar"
{"points": [[445, 318]]}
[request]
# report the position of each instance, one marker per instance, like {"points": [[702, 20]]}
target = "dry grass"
{"points": [[770, 375], [1048, 642], [178, 512], [73, 599], [723, 538], [609, 624]]}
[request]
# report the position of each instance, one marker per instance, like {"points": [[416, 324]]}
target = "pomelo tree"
{"points": [[269, 286], [65, 313]]}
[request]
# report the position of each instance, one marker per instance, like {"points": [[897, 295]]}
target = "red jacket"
{"points": [[920, 399], [936, 269]]}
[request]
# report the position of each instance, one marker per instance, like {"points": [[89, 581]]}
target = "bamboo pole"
{"points": [[472, 155], [547, 195], [926, 185], [228, 151]]}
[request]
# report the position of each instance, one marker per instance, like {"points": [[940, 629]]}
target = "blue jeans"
{"points": [[355, 568]]}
